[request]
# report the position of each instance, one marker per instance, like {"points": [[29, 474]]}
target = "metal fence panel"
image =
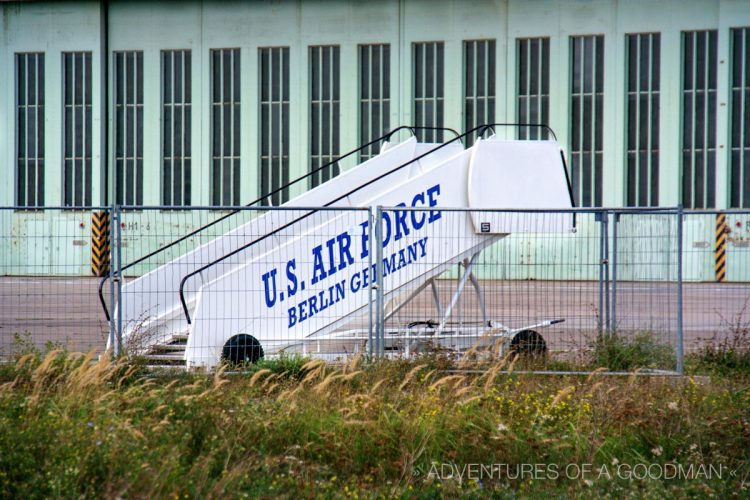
{"points": [[556, 282], [717, 276], [302, 279], [49, 261]]}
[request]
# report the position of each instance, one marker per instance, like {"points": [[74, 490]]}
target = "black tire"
{"points": [[528, 343], [242, 349]]}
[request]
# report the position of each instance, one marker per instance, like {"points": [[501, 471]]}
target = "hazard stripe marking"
{"points": [[720, 248], [100, 243]]}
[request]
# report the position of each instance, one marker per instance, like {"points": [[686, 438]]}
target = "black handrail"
{"points": [[483, 128], [412, 128]]}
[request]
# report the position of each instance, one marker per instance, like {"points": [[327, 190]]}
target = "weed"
{"points": [[617, 351], [728, 351], [74, 426]]}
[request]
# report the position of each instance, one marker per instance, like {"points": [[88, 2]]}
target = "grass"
{"points": [[71, 426], [637, 351]]}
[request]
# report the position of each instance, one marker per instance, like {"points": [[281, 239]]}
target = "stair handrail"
{"points": [[484, 128], [412, 128]]}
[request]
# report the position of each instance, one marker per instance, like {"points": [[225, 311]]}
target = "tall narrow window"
{"points": [[429, 91], [533, 86], [699, 119], [128, 131], [30, 129], [225, 117], [76, 69], [643, 57], [176, 126], [324, 112], [274, 124], [479, 84], [740, 118], [587, 120], [374, 95]]}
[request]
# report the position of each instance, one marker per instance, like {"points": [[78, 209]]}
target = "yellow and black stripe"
{"points": [[100, 243], [720, 249]]}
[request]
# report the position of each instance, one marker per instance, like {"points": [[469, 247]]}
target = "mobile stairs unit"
{"points": [[299, 273]]}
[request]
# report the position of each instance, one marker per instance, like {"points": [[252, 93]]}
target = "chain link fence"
{"points": [[578, 285]]}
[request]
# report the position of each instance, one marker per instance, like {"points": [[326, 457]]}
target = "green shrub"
{"points": [[642, 350], [727, 352]]}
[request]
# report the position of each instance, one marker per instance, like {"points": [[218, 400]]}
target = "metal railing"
{"points": [[233, 211], [479, 130]]}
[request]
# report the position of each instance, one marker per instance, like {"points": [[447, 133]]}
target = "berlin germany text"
{"points": [[330, 258]]}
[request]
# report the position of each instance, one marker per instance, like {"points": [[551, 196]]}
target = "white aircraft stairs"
{"points": [[298, 273]]}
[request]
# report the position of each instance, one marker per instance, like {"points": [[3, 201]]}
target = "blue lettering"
{"points": [[323, 302], [302, 312], [319, 271], [401, 259], [292, 316], [389, 264], [355, 283], [313, 305], [291, 288], [387, 228], [412, 252], [270, 276], [365, 240], [345, 256], [423, 246], [432, 194], [417, 218], [331, 263], [339, 291], [401, 223]]}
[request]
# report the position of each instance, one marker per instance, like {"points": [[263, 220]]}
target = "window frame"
{"points": [[489, 77], [85, 193], [384, 100], [709, 189], [652, 128], [235, 192], [438, 86], [284, 147], [334, 137], [40, 142], [577, 179], [186, 188], [534, 133]]}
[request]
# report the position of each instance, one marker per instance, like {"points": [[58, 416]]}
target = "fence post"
{"points": [[680, 347], [118, 263], [380, 303], [372, 287], [605, 264], [601, 217], [112, 249], [616, 221]]}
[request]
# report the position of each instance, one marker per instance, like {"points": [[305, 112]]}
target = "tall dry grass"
{"points": [[71, 425]]}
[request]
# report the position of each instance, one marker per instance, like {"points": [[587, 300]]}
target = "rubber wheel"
{"points": [[528, 342], [242, 349]]}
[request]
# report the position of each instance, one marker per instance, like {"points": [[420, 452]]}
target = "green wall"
{"points": [[55, 27]]}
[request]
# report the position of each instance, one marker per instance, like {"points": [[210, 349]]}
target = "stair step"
{"points": [[171, 357], [155, 366], [156, 348], [179, 336]]}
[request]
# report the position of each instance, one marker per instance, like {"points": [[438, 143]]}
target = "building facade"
{"points": [[221, 103]]}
